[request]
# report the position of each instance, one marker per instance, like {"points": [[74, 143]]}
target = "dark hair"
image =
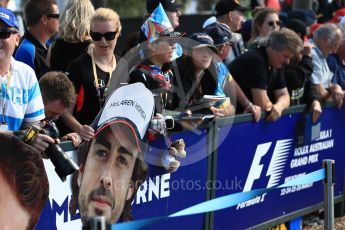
{"points": [[23, 168], [207, 84], [139, 175], [35, 9], [57, 86]]}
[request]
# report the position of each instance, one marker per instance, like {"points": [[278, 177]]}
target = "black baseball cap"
{"points": [[168, 5], [200, 40], [221, 33], [225, 6]]}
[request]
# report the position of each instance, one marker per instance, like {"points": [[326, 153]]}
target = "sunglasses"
{"points": [[56, 16], [6, 33], [96, 36], [277, 23]]}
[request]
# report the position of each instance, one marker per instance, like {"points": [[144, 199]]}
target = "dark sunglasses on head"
{"points": [[96, 36], [6, 33], [56, 16], [271, 23]]}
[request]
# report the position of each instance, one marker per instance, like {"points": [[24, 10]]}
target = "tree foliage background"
{"points": [[136, 8]]}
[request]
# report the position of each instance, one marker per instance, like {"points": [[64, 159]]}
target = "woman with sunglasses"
{"points": [[91, 72], [264, 23], [74, 31]]}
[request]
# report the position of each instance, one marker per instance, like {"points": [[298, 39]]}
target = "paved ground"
{"points": [[339, 225]]}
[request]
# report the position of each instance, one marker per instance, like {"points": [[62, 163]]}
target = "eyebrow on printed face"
{"points": [[122, 150]]}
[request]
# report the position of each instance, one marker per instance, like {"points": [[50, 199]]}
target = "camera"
{"points": [[64, 165]]}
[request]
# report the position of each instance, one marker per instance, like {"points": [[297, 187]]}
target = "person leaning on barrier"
{"points": [[23, 182], [111, 163], [264, 82], [326, 40], [198, 73], [223, 38], [58, 95], [298, 72]]}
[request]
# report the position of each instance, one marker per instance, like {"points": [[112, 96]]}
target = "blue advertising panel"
{"points": [[177, 190], [268, 154], [249, 156], [163, 193]]}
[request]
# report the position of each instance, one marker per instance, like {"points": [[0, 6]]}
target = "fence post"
{"points": [[328, 165]]}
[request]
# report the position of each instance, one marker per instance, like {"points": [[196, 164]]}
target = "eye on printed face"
{"points": [[105, 179]]}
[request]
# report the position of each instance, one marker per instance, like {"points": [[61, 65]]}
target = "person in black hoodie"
{"points": [[298, 72]]}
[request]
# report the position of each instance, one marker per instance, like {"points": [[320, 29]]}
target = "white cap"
{"points": [[132, 105]]}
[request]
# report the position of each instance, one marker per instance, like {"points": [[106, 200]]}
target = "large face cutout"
{"points": [[105, 179]]}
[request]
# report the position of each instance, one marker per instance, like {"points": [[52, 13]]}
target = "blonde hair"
{"points": [[106, 14], [258, 21], [74, 22]]}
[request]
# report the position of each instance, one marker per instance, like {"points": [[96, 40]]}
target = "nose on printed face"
{"points": [[106, 180]]}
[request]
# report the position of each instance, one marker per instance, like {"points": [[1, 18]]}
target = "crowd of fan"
{"points": [[276, 58]]}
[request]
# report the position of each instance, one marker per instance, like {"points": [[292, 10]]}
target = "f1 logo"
{"points": [[276, 166]]}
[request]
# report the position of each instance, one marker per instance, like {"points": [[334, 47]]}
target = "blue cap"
{"points": [[7, 17], [221, 33], [202, 40]]}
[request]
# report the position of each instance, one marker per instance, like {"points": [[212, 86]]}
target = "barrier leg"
{"points": [[328, 165]]}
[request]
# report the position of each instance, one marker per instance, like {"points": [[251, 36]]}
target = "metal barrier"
{"points": [[256, 155]]}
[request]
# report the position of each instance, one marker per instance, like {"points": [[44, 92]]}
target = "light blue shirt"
{"points": [[321, 75]]}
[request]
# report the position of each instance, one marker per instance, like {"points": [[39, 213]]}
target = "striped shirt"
{"points": [[22, 100]]}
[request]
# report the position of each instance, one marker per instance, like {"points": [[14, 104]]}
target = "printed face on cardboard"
{"points": [[105, 180]]}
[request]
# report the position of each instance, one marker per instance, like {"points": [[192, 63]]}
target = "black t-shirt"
{"points": [[251, 70], [80, 72], [63, 53]]}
